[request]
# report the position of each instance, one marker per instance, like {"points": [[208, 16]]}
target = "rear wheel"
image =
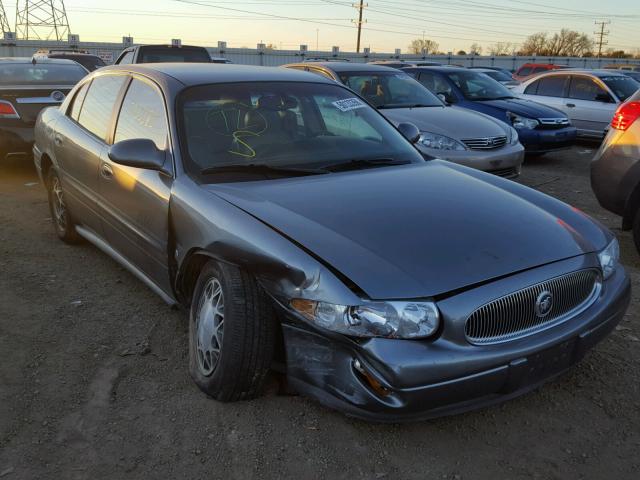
{"points": [[62, 219], [232, 333]]}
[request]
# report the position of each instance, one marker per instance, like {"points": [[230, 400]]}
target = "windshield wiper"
{"points": [[403, 105], [487, 99], [364, 163], [262, 168]]}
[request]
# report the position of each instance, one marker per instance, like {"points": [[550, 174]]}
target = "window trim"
{"points": [[123, 54], [69, 106]]}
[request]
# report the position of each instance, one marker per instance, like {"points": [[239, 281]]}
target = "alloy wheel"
{"points": [[209, 326]]}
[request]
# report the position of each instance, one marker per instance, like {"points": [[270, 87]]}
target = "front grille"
{"points": [[553, 123], [485, 143], [506, 172], [520, 313]]}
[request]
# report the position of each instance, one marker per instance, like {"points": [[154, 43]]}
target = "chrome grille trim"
{"points": [[514, 315], [554, 121], [485, 143]]}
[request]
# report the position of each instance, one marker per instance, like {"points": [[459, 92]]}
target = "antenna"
{"points": [[41, 20], [4, 21]]}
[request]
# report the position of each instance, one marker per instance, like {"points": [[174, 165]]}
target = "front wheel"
{"points": [[232, 332], [62, 220]]}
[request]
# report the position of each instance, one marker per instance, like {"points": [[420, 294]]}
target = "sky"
{"points": [[390, 24]]}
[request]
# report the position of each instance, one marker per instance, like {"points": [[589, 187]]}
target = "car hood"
{"points": [[455, 122], [421, 230], [523, 107]]}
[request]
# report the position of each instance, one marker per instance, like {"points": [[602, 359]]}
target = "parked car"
{"points": [[27, 86], [83, 57], [294, 221], [506, 71], [163, 53], [220, 60], [541, 129], [615, 170], [325, 59], [630, 74], [528, 70], [624, 67], [499, 76], [450, 133], [588, 97], [403, 63]]}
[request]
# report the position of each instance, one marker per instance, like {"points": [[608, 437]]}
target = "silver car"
{"points": [[588, 97], [451, 133]]}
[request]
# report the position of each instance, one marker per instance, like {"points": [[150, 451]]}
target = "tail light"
{"points": [[626, 114], [7, 110]]}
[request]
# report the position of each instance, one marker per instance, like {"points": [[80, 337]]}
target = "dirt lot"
{"points": [[94, 382]]}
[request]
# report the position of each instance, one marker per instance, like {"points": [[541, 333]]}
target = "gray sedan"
{"points": [[450, 133], [304, 233]]}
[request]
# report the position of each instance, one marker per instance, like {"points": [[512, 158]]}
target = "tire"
{"points": [[243, 333], [62, 220], [636, 230]]}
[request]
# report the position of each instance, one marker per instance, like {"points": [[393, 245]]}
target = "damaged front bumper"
{"points": [[391, 380]]}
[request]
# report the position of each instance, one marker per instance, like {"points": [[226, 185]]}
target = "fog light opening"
{"points": [[370, 380]]}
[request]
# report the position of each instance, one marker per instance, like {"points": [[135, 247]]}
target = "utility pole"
{"points": [[360, 8], [601, 35]]}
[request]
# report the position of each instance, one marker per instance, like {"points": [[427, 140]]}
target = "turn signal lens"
{"points": [[626, 114], [7, 110]]}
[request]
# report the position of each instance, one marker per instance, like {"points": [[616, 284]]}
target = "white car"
{"points": [[588, 97]]}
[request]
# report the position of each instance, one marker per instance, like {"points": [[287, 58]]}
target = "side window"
{"points": [[142, 115], [524, 71], [552, 86], [583, 88], [435, 83], [99, 101], [532, 89], [127, 58], [76, 105]]}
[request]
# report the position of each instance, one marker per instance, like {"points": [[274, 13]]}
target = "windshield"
{"points": [[390, 89], [476, 86], [499, 76], [174, 54], [283, 125], [90, 62], [621, 85], [40, 74]]}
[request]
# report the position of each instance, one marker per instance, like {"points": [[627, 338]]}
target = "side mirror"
{"points": [[446, 98], [604, 97], [409, 131], [138, 153]]}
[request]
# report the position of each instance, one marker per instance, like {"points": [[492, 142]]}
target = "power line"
{"points": [[601, 35]]}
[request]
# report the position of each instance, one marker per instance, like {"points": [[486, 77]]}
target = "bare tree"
{"points": [[419, 45], [475, 49], [566, 43], [535, 44], [502, 49]]}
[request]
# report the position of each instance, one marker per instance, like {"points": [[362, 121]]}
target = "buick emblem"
{"points": [[544, 304], [58, 96]]}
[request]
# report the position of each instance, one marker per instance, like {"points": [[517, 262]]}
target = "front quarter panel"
{"points": [[206, 224]]}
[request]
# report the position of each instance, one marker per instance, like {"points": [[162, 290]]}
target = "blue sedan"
{"points": [[541, 128]]}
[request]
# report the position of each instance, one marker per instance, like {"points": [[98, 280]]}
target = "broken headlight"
{"points": [[373, 319]]}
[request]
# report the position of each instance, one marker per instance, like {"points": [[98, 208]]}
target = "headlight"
{"points": [[373, 319], [514, 136], [522, 122], [439, 142], [609, 258]]}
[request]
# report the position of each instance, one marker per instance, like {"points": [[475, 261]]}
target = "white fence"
{"points": [[248, 56]]}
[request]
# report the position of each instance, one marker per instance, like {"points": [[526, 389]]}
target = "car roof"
{"points": [[346, 67], [25, 60], [191, 74], [440, 68], [582, 71]]}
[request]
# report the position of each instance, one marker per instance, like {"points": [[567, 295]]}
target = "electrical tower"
{"points": [[41, 20], [601, 35], [4, 21], [361, 6]]}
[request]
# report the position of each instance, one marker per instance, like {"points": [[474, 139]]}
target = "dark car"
{"points": [[615, 170], [83, 57], [506, 71], [404, 63], [528, 70], [163, 54], [26, 87], [541, 129], [298, 225]]}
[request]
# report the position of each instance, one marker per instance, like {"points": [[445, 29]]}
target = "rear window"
{"points": [[160, 55], [40, 74], [90, 62], [524, 71]]}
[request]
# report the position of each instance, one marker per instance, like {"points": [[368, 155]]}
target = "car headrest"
{"points": [[276, 102]]}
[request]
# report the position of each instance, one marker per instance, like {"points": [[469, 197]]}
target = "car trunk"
{"points": [[28, 101]]}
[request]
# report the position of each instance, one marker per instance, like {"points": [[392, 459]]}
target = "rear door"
{"points": [[135, 201], [588, 107], [549, 90], [80, 144]]}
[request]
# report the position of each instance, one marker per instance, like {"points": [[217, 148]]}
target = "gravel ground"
{"points": [[94, 382]]}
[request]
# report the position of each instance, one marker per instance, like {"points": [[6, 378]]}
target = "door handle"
{"points": [[571, 105], [106, 171], [57, 140]]}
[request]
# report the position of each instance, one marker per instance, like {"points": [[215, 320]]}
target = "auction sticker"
{"points": [[348, 104]]}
